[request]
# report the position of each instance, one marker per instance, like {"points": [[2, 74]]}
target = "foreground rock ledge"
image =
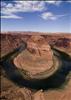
{"points": [[37, 58]]}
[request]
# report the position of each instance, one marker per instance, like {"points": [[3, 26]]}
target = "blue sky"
{"points": [[39, 16]]}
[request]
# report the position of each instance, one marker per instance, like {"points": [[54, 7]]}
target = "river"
{"points": [[54, 81]]}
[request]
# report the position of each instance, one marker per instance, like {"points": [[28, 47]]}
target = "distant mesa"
{"points": [[63, 42]]}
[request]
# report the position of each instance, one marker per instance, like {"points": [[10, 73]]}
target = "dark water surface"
{"points": [[54, 81]]}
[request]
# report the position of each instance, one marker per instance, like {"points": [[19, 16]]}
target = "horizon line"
{"points": [[33, 33]]}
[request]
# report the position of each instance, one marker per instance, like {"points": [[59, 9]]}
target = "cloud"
{"points": [[11, 16], [69, 1], [10, 9], [30, 6], [51, 2], [50, 16], [57, 2], [54, 2]]}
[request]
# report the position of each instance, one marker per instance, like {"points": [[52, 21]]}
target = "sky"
{"points": [[38, 16]]}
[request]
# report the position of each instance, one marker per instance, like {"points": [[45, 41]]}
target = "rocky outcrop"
{"points": [[39, 95], [37, 58], [38, 46], [63, 42]]}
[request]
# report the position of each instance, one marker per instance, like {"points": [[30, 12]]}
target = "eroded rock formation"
{"points": [[38, 46], [37, 58]]}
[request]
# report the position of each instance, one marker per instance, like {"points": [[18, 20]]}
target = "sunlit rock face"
{"points": [[39, 47], [37, 58]]}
